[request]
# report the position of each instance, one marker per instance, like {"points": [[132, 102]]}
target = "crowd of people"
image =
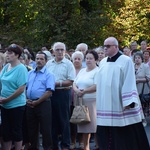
{"points": [[40, 90]]}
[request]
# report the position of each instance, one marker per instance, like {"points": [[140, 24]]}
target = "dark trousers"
{"points": [[60, 118], [131, 137], [39, 118], [12, 123]]}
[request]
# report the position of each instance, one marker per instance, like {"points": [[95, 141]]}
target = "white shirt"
{"points": [[86, 79]]}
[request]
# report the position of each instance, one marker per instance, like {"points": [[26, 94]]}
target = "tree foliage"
{"points": [[131, 22], [36, 22]]}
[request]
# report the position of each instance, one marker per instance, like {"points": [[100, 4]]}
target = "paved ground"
{"points": [[147, 129]]}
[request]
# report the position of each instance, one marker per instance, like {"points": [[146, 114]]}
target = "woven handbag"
{"points": [[80, 114]]}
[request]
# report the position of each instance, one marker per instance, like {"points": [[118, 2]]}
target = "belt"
{"points": [[63, 89], [34, 99], [38, 98]]}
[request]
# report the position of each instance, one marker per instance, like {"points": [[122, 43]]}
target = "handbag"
{"points": [[145, 98], [80, 114]]}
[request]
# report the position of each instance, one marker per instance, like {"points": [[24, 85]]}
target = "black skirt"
{"points": [[131, 137]]}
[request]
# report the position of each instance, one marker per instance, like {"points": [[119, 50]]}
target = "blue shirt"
{"points": [[39, 82], [11, 80]]}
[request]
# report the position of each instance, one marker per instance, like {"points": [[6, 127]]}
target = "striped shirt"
{"points": [[63, 70]]}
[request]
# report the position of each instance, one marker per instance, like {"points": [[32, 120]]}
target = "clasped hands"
{"points": [[31, 103], [80, 92]]}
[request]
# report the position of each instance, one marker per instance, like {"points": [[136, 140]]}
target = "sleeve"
{"points": [[95, 77], [28, 77], [50, 82], [147, 71], [22, 76], [129, 90], [71, 72]]}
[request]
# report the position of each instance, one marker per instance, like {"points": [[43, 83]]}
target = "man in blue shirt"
{"points": [[40, 85]]}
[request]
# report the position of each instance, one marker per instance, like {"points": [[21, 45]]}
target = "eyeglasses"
{"points": [[81, 50], [9, 52], [108, 46], [59, 50]]}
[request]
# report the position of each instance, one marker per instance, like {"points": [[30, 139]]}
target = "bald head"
{"points": [[112, 41], [111, 46]]}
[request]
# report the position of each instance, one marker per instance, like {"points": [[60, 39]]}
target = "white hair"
{"points": [[100, 48], [48, 54], [58, 43], [77, 53], [82, 44]]}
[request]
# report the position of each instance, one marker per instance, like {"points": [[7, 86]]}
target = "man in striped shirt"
{"points": [[64, 72]]}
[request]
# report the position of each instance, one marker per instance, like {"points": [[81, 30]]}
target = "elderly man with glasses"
{"points": [[64, 72]]}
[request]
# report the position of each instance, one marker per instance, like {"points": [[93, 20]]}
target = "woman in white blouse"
{"points": [[85, 87]]}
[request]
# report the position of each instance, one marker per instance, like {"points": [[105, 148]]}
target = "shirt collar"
{"points": [[42, 70], [114, 58], [62, 61]]}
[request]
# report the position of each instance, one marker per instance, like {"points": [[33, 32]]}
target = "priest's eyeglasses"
{"points": [[108, 46]]}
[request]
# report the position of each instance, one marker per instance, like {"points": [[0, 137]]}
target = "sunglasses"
{"points": [[13, 45], [108, 46]]}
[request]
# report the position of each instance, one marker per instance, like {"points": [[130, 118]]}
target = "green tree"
{"points": [[37, 22], [131, 22]]}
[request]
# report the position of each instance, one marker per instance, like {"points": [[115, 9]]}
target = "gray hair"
{"points": [[58, 43], [82, 44], [100, 48], [77, 53]]}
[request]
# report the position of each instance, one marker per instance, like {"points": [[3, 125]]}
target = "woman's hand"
{"points": [[80, 92], [3, 100]]}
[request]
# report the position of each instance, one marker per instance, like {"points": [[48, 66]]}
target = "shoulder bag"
{"points": [[80, 113], [145, 98]]}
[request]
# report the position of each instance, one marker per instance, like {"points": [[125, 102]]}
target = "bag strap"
{"points": [[143, 88], [75, 99], [147, 82], [80, 100]]}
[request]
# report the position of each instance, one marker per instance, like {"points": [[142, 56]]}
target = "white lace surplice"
{"points": [[116, 88]]}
